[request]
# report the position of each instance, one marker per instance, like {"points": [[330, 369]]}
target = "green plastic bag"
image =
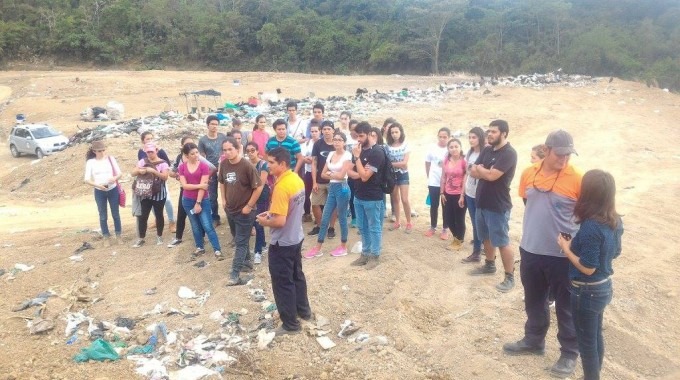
{"points": [[99, 350]]}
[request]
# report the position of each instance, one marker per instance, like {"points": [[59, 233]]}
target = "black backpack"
{"points": [[388, 177]]}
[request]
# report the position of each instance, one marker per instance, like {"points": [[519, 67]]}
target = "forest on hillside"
{"points": [[633, 39]]}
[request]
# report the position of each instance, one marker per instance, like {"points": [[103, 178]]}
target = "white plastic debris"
{"points": [[217, 315], [325, 342], [186, 293], [357, 247], [73, 320], [77, 258], [151, 368], [23, 267], [264, 338], [222, 357], [192, 372]]}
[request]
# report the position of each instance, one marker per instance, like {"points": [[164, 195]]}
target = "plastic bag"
{"points": [[357, 247], [99, 350]]}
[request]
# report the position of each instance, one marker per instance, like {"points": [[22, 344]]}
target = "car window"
{"points": [[44, 132], [22, 133]]}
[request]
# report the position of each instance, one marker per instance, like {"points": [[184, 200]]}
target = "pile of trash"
{"points": [[113, 111], [363, 103]]}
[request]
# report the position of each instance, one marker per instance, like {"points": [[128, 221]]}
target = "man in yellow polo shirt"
{"points": [[549, 189], [285, 251]]}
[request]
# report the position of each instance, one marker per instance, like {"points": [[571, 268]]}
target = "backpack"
{"points": [[147, 185], [388, 176]]}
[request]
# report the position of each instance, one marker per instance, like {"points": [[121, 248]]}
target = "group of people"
{"points": [[571, 230]]}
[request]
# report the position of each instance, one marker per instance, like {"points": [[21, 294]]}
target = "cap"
{"points": [[149, 147], [98, 145], [560, 142]]}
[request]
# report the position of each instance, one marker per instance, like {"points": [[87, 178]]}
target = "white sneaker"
{"points": [[257, 258], [159, 240], [138, 243], [174, 243]]}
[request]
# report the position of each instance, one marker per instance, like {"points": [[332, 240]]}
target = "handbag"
{"points": [[121, 192], [147, 185]]}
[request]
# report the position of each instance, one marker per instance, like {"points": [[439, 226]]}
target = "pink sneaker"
{"points": [[429, 233], [312, 253], [339, 252]]}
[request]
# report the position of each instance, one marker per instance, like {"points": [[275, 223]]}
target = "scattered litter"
{"points": [[128, 323], [257, 295], [345, 288], [40, 325], [76, 258], [151, 368], [325, 342], [264, 338], [58, 245], [73, 320], [2, 271], [201, 264], [150, 292], [192, 372], [23, 267], [186, 293], [72, 339], [203, 298], [99, 350], [39, 300], [357, 247], [217, 315], [347, 328], [83, 247]]}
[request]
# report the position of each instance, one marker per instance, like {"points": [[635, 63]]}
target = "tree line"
{"points": [[635, 39]]}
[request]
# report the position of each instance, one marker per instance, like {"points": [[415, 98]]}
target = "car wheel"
{"points": [[14, 150], [39, 153]]}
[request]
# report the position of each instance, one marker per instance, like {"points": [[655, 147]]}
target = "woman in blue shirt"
{"points": [[590, 254]]}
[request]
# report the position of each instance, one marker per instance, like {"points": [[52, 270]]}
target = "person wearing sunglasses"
{"points": [[550, 189], [102, 173]]}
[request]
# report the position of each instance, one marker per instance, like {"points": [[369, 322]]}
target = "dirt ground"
{"points": [[440, 323]]}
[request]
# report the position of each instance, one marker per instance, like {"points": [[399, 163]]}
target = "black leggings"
{"points": [[455, 216], [181, 217], [434, 208], [147, 205]]}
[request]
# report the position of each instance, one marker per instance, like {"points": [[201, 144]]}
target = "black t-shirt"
{"points": [[320, 150], [370, 190], [495, 195]]}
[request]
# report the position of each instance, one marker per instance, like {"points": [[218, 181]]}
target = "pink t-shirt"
{"points": [[454, 176], [260, 138], [194, 178]]}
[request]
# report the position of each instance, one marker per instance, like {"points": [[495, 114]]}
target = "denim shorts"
{"points": [[402, 178], [493, 226]]}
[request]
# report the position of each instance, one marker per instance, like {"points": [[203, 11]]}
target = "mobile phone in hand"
{"points": [[566, 236]]}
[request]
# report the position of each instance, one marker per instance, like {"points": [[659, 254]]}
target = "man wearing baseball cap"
{"points": [[549, 188]]}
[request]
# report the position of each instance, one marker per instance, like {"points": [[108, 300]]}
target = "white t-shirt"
{"points": [[298, 129], [100, 171], [306, 151], [435, 156], [471, 183], [397, 154], [337, 166]]}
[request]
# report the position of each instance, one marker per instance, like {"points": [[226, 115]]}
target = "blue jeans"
{"points": [[472, 210], [112, 197], [259, 230], [587, 304], [212, 190], [370, 216], [338, 197], [201, 223], [243, 223]]}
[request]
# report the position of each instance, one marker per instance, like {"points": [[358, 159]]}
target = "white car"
{"points": [[37, 139]]}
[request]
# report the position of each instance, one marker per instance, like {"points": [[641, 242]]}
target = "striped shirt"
{"points": [[290, 144]]}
